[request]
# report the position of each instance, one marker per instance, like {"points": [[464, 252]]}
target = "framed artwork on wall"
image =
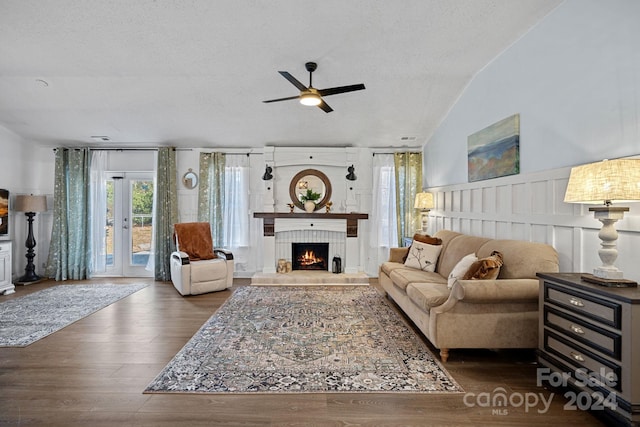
{"points": [[4, 213], [495, 150]]}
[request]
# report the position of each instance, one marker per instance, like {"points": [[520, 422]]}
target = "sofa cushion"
{"points": [[389, 266], [423, 256], [461, 268], [402, 277], [428, 295], [485, 268], [522, 259], [457, 248]]}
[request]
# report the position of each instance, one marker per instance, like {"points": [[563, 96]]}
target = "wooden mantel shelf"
{"points": [[270, 217]]}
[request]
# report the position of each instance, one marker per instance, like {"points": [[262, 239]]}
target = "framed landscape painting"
{"points": [[4, 213], [495, 150]]}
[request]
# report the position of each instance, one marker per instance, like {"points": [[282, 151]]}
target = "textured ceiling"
{"points": [[194, 73]]}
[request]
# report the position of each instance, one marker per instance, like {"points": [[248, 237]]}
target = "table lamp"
{"points": [[424, 202], [604, 183]]}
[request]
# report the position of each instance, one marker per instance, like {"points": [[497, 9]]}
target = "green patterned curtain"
{"points": [[70, 250], [408, 167], [211, 193], [165, 212]]}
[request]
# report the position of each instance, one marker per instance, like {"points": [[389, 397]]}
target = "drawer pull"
{"points": [[576, 302], [577, 356], [577, 329]]}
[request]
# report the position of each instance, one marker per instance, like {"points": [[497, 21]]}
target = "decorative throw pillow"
{"points": [[423, 256], [461, 268], [485, 268], [424, 238]]}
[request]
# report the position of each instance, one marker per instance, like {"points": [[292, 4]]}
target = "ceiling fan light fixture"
{"points": [[310, 99]]}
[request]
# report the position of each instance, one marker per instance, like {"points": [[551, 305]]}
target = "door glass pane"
{"points": [[141, 220], [109, 225]]}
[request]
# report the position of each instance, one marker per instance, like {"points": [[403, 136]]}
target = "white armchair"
{"points": [[196, 267]]}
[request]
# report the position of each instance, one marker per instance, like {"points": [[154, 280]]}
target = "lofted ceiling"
{"points": [[194, 73]]}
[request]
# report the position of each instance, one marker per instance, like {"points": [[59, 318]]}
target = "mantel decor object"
{"points": [[309, 199], [604, 183], [310, 184], [30, 204]]}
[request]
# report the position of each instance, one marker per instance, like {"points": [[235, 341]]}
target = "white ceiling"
{"points": [[194, 73]]}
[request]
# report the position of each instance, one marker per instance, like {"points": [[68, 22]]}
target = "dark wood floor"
{"points": [[93, 372]]}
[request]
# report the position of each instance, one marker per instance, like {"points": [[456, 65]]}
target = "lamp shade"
{"points": [[604, 182], [30, 203], [424, 201]]}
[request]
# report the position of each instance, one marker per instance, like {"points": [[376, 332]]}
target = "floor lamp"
{"points": [[30, 204], [604, 183], [424, 202]]}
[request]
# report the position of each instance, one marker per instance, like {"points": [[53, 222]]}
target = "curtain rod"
{"points": [[395, 152], [121, 149]]}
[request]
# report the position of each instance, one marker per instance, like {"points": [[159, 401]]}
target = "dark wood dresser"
{"points": [[589, 339]]}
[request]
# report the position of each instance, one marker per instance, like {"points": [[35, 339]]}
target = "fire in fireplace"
{"points": [[310, 256]]}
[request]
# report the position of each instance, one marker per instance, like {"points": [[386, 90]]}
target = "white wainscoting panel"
{"points": [[531, 207]]}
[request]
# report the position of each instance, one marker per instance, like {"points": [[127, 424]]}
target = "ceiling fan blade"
{"points": [[340, 89], [325, 107], [293, 80], [283, 99]]}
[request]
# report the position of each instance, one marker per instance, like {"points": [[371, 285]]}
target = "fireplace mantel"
{"points": [[270, 217]]}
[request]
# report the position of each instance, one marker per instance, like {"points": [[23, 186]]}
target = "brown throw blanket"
{"points": [[194, 238]]}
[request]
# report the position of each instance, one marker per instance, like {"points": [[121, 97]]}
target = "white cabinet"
{"points": [[6, 287]]}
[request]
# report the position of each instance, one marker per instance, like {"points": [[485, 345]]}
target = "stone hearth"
{"points": [[302, 277]]}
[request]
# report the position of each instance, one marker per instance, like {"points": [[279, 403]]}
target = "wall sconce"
{"points": [[267, 174], [603, 183], [30, 204], [351, 176], [424, 202]]}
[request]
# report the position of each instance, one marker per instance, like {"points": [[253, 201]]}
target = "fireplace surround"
{"points": [[335, 226]]}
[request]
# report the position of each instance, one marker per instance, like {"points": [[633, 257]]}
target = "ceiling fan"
{"points": [[312, 96]]}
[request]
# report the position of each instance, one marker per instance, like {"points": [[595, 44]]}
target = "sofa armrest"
{"points": [[398, 254], [499, 290], [180, 257], [223, 253]]}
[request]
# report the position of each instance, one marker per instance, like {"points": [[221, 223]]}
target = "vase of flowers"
{"points": [[309, 200]]}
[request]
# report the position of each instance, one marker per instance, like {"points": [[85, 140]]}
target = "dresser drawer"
{"points": [[591, 365], [606, 312], [5, 247], [604, 341]]}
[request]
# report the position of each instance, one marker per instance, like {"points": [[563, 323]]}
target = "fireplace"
{"points": [[310, 256]]}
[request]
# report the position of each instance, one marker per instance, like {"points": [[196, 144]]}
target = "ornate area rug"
{"points": [[27, 319], [304, 339]]}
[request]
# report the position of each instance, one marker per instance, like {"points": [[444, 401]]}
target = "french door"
{"points": [[129, 223]]}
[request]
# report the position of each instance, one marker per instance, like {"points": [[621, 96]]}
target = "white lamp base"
{"points": [[608, 274], [424, 218]]}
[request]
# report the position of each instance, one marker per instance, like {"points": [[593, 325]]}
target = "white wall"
{"points": [[575, 81], [273, 195], [27, 169]]}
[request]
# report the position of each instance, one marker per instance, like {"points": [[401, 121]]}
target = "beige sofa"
{"points": [[501, 313]]}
